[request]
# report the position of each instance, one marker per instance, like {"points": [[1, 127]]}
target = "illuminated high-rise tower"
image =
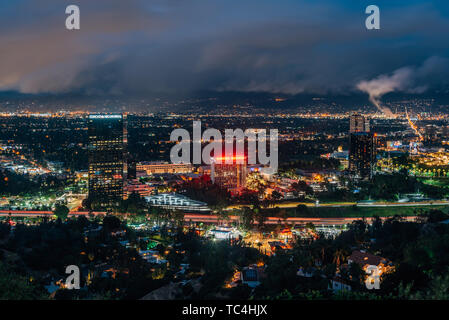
{"points": [[362, 152], [106, 158], [358, 123], [362, 147], [229, 176]]}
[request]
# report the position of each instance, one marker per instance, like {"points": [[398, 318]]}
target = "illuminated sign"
{"points": [[234, 158]]}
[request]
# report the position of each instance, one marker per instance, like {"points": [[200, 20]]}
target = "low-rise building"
{"points": [[174, 201], [222, 233], [365, 259], [252, 275], [141, 189], [159, 167], [338, 284]]}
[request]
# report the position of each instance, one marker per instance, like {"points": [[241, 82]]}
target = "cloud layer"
{"points": [[137, 46]]}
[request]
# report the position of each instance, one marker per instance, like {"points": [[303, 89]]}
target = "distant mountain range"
{"points": [[205, 100]]}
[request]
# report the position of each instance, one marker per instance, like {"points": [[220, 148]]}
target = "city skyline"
{"points": [[224, 155]]}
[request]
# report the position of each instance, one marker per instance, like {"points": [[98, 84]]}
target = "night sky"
{"points": [[280, 46]]}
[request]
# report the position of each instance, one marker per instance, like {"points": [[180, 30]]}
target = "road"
{"points": [[294, 204], [192, 217], [30, 214], [275, 220]]}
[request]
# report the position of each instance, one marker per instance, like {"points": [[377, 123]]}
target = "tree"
{"points": [[14, 286], [248, 197], [5, 229], [439, 289], [310, 226], [247, 218], [339, 257], [241, 292], [302, 187], [276, 196], [111, 222], [222, 214], [178, 218], [280, 274], [202, 189], [357, 273], [135, 204], [61, 211], [260, 217], [302, 210]]}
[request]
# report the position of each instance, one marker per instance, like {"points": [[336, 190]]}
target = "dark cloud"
{"points": [[138, 46]]}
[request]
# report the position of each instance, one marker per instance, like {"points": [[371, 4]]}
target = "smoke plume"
{"points": [[407, 79], [383, 84]]}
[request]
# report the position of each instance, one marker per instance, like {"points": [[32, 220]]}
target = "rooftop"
{"points": [[363, 258]]}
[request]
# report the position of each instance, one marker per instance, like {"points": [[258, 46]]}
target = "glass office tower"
{"points": [[362, 153], [106, 158]]}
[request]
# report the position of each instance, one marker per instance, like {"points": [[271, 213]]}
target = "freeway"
{"points": [[205, 218], [30, 214], [294, 204], [293, 220]]}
